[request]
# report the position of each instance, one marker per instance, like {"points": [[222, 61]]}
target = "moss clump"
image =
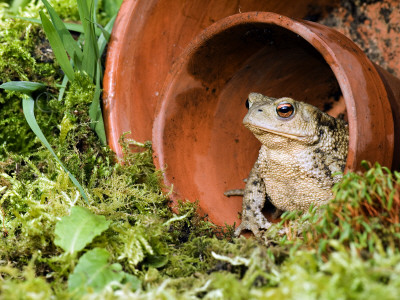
{"points": [[349, 250], [364, 213], [66, 9], [23, 49], [26, 54]]}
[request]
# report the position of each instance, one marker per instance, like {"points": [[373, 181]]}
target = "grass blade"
{"points": [[67, 40], [111, 7], [70, 26], [95, 114], [90, 50], [63, 87], [102, 41], [26, 87], [28, 108], [57, 46]]}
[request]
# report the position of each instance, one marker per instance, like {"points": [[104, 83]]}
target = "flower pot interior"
{"points": [[148, 37], [199, 136]]}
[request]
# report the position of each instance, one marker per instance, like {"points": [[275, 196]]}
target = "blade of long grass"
{"points": [[28, 108], [95, 7], [70, 26], [111, 7], [57, 46], [90, 50], [103, 39], [68, 41], [104, 32], [62, 89], [17, 4], [95, 114], [26, 87]]}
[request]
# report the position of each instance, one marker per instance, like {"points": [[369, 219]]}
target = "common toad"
{"points": [[302, 149]]}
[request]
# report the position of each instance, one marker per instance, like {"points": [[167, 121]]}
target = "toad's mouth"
{"points": [[260, 130]]}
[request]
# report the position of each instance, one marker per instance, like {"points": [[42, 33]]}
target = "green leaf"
{"points": [[102, 41], [111, 7], [156, 261], [95, 114], [70, 26], [62, 88], [93, 272], [57, 46], [77, 230], [134, 282], [16, 5], [26, 87], [90, 49], [105, 33], [70, 45], [66, 126], [28, 105]]}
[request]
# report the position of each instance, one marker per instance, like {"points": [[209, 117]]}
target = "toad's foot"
{"points": [[237, 192], [255, 224]]}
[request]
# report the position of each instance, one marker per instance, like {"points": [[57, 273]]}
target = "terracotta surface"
{"points": [[149, 35], [374, 26], [198, 132]]}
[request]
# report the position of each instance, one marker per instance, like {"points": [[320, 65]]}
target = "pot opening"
{"points": [[208, 145]]}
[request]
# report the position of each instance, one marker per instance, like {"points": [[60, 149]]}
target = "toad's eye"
{"points": [[247, 104], [285, 110]]}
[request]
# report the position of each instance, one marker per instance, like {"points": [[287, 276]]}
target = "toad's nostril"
{"points": [[260, 110]]}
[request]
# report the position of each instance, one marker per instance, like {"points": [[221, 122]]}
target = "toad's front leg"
{"points": [[253, 202]]}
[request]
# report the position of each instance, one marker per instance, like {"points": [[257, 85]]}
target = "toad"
{"points": [[302, 155]]}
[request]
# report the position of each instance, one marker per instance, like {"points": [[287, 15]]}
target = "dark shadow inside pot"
{"points": [[210, 151]]}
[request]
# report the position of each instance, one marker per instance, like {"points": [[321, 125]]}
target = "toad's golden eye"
{"points": [[285, 110]]}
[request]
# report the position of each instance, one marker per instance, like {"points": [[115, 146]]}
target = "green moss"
{"points": [[364, 213], [24, 53], [350, 250], [66, 9]]}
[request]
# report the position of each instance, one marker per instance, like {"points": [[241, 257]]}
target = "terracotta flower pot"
{"points": [[198, 136], [148, 36]]}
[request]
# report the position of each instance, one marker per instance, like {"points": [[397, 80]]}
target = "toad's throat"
{"points": [[262, 130]]}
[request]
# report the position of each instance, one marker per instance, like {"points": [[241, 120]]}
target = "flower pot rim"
{"points": [[310, 32]]}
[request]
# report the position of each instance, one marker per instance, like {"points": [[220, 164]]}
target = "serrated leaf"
{"points": [[77, 230], [28, 105], [93, 272], [26, 87], [57, 46]]}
